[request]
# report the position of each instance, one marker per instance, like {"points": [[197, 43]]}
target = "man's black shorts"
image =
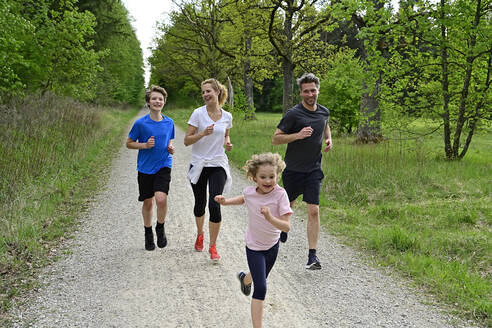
{"points": [[306, 183], [148, 184]]}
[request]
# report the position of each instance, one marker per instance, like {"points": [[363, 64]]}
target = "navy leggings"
{"points": [[215, 177], [260, 263]]}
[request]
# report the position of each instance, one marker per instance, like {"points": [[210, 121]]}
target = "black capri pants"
{"points": [[215, 178]]}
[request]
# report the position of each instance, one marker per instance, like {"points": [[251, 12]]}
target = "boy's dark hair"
{"points": [[308, 78], [155, 88]]}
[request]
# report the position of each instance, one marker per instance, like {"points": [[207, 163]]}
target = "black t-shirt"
{"points": [[304, 155]]}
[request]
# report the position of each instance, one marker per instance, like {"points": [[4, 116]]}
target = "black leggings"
{"points": [[260, 263], [215, 177]]}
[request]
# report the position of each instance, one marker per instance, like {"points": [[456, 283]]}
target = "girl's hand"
{"points": [[170, 149], [265, 210], [228, 146], [220, 199]]}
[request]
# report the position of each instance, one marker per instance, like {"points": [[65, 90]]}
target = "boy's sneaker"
{"points": [[313, 263], [199, 243], [246, 289], [213, 253], [149, 241], [161, 236], [283, 236]]}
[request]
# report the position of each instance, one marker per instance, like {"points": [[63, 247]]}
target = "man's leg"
{"points": [[313, 225]]}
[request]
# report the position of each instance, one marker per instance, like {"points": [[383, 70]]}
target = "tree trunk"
{"points": [[445, 88], [230, 91], [369, 129], [248, 83]]}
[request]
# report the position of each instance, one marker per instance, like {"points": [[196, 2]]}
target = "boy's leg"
{"points": [[147, 212], [161, 201]]}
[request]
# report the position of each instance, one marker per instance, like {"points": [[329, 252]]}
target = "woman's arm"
{"points": [[227, 141], [191, 135]]}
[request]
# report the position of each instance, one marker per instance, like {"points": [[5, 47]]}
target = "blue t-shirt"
{"points": [[150, 161]]}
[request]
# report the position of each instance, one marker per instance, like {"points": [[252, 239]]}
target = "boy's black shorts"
{"points": [[308, 184], [148, 184]]}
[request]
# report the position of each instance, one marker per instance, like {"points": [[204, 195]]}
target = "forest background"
{"points": [[408, 181]]}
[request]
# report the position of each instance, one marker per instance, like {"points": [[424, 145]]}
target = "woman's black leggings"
{"points": [[215, 178], [260, 263]]}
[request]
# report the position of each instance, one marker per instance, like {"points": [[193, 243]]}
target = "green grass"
{"points": [[55, 156], [403, 205]]}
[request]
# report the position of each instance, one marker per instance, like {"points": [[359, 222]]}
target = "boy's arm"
{"points": [[132, 144], [238, 200], [170, 147]]}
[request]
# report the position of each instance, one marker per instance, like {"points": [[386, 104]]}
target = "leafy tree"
{"points": [[441, 67]]}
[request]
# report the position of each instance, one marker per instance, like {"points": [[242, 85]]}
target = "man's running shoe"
{"points": [[213, 253], [283, 236], [313, 263], [199, 243], [245, 289]]}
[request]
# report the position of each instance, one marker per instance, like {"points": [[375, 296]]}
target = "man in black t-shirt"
{"points": [[303, 128]]}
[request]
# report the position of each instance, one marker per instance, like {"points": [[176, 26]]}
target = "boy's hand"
{"points": [[170, 149], [220, 199], [150, 143], [228, 146]]}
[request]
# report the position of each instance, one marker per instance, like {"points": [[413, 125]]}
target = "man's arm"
{"points": [[280, 137], [327, 136]]}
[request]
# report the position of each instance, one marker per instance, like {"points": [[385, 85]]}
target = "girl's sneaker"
{"points": [[245, 289], [199, 243], [213, 253]]}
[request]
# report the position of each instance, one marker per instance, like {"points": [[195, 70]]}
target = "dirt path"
{"points": [[107, 279]]}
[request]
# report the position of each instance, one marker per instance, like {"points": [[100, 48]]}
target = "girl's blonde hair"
{"points": [[217, 86], [257, 160]]}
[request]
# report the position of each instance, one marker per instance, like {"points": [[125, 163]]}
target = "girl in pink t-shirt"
{"points": [[268, 213]]}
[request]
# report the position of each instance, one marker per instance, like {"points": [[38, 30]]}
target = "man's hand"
{"points": [[329, 145], [306, 132]]}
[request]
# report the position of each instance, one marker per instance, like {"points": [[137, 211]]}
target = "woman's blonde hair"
{"points": [[217, 86], [257, 160]]}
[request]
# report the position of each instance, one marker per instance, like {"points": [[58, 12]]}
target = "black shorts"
{"points": [[308, 184], [148, 184]]}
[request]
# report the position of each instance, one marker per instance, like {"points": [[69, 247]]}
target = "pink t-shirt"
{"points": [[261, 234]]}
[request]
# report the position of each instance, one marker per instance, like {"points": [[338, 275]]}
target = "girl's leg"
{"points": [[256, 312], [216, 183], [257, 268], [270, 258]]}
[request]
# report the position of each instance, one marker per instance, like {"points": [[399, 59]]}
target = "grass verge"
{"points": [[56, 156]]}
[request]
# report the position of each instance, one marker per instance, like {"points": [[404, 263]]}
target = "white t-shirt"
{"points": [[212, 146]]}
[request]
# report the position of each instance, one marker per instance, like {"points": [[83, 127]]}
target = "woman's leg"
{"points": [[216, 183]]}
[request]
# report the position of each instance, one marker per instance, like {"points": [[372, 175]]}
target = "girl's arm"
{"points": [[281, 223], [238, 200]]}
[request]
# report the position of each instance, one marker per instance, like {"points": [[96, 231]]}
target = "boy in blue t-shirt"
{"points": [[153, 136]]}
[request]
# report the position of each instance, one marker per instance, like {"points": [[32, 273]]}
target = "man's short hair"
{"points": [[308, 78]]}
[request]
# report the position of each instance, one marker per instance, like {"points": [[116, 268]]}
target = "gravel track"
{"points": [[107, 279]]}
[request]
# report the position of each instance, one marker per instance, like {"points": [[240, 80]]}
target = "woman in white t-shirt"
{"points": [[208, 132]]}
